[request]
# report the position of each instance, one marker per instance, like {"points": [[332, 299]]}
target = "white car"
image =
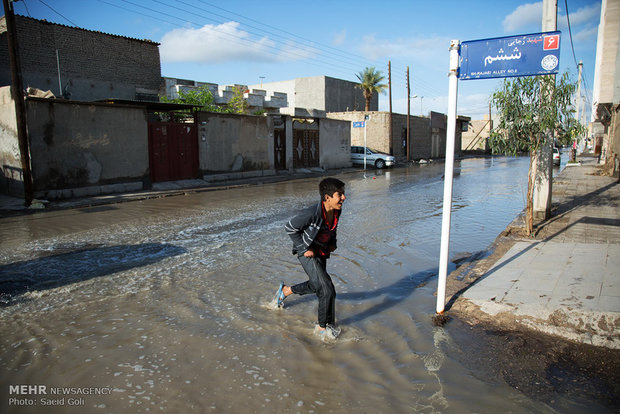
{"points": [[556, 156], [376, 158]]}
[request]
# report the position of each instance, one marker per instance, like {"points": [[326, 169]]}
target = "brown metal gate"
{"points": [[173, 151], [279, 148], [305, 148]]}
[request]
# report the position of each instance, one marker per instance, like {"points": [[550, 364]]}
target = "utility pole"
{"points": [[544, 161], [579, 90], [17, 93], [408, 113], [390, 93], [573, 151]]}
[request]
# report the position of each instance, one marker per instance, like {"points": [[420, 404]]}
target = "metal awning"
{"points": [[150, 106]]}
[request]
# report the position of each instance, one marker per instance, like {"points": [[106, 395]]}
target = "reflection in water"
{"points": [[164, 301]]}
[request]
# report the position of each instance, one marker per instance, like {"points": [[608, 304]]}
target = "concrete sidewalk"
{"points": [[566, 280]]}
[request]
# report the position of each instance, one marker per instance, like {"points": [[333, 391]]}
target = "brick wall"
{"points": [[93, 65]]}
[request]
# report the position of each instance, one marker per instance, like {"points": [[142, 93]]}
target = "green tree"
{"points": [[529, 108], [370, 82], [237, 104], [200, 97]]}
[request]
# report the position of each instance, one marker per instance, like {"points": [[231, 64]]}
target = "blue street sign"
{"points": [[358, 124], [524, 55]]}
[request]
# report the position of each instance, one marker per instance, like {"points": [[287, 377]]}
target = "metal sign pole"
{"points": [[448, 175], [366, 118], [365, 150]]}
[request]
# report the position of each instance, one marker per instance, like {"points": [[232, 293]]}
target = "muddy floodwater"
{"points": [[162, 305]]}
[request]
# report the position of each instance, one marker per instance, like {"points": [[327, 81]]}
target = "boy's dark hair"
{"points": [[329, 186]]}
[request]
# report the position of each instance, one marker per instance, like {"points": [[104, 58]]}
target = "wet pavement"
{"points": [[161, 304]]}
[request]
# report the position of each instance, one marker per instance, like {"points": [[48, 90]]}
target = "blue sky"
{"points": [[244, 42]]}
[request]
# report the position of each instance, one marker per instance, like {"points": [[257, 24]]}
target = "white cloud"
{"points": [[589, 15], [426, 48], [528, 16], [523, 16], [339, 38], [586, 35], [224, 43]]}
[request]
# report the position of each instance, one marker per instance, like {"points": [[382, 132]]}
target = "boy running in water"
{"points": [[314, 237]]}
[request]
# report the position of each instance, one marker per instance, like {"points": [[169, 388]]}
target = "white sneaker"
{"points": [[330, 333]]}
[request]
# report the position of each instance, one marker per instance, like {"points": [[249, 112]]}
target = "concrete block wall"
{"points": [[11, 179], [334, 143], [378, 137], [75, 145], [476, 136], [256, 98], [233, 142]]}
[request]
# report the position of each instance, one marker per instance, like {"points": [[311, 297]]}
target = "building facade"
{"points": [[476, 137], [427, 135], [605, 128], [318, 95]]}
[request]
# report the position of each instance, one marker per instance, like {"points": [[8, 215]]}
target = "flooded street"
{"points": [[162, 305]]}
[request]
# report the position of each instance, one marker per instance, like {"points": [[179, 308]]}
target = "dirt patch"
{"points": [[544, 368]]}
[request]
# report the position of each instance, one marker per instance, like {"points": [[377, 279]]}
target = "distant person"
{"points": [[314, 238]]}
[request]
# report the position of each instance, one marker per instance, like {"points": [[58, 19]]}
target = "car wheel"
{"points": [[379, 164]]}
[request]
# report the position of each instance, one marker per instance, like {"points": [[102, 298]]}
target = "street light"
{"points": [[421, 97]]}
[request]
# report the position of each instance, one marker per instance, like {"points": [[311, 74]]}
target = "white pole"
{"points": [[365, 150], [449, 172], [58, 64], [366, 119]]}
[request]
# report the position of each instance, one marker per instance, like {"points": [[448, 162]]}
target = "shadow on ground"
{"points": [[78, 265]]}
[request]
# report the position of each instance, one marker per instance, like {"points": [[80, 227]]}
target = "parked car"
{"points": [[556, 156], [376, 158]]}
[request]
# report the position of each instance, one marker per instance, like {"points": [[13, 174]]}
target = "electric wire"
{"points": [[27, 10], [318, 47], [418, 85], [52, 9], [583, 77], [395, 75], [253, 33], [239, 40], [570, 33]]}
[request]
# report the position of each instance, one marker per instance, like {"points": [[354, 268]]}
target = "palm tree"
{"points": [[370, 82]]}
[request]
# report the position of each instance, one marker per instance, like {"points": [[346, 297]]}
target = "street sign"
{"points": [[523, 55], [358, 124]]}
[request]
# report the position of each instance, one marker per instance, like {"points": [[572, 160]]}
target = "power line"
{"points": [[52, 9], [338, 61], [234, 38], [570, 33], [318, 46], [27, 11]]}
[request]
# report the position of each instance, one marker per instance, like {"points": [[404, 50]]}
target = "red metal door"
{"points": [[173, 151]]}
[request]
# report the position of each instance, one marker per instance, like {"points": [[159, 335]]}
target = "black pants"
{"points": [[319, 283]]}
